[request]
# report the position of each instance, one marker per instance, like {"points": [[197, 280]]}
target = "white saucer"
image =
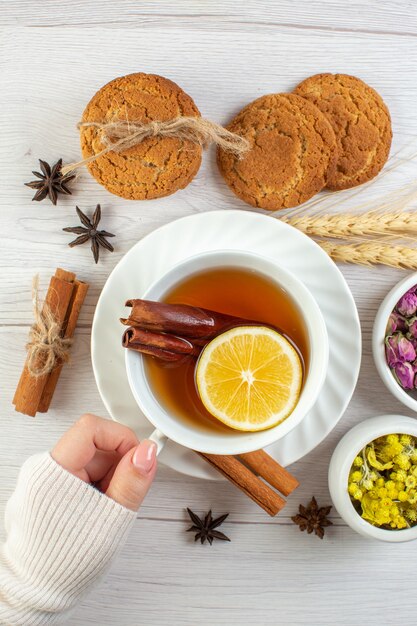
{"points": [[159, 251]]}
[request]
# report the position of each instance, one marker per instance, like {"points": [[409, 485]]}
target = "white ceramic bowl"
{"points": [[341, 462], [231, 441], [378, 340]]}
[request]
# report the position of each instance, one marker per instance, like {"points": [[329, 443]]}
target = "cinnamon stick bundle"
{"points": [[62, 304]]}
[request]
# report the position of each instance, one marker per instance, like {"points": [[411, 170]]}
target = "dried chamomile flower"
{"points": [[400, 522], [406, 440], [352, 487], [367, 483], [388, 451], [412, 498], [399, 475], [411, 515], [356, 476], [410, 482], [403, 461], [373, 461]]}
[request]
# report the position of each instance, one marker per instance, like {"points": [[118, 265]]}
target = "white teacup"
{"points": [[232, 441]]}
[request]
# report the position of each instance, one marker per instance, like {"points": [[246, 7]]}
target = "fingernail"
{"points": [[144, 456]]}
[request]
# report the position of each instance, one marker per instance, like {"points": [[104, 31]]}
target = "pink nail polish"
{"points": [[144, 456]]}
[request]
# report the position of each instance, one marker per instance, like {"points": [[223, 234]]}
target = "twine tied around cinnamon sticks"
{"points": [[49, 341], [46, 347], [121, 135]]}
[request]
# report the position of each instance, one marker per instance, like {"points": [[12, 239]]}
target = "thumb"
{"points": [[133, 475]]}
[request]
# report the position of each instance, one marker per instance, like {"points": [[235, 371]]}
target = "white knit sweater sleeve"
{"points": [[61, 535]]}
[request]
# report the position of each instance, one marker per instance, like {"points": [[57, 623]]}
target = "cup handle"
{"points": [[159, 438]]}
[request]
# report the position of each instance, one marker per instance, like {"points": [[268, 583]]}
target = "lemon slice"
{"points": [[249, 377]]}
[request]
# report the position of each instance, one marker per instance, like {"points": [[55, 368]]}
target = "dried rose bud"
{"points": [[404, 374], [412, 327], [407, 305], [413, 341], [406, 349], [398, 321], [392, 325], [391, 351]]}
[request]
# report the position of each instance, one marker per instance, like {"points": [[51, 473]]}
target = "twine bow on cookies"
{"points": [[121, 135], [46, 347]]}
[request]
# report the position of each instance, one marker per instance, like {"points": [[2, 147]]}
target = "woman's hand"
{"points": [[109, 455]]}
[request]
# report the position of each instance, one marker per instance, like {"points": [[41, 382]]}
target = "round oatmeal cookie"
{"points": [[360, 120], [292, 148], [158, 166]]}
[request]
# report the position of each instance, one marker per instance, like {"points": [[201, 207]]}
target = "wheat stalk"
{"points": [[345, 225], [372, 253], [372, 230]]}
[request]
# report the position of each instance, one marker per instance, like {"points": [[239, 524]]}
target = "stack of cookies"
{"points": [[333, 131]]}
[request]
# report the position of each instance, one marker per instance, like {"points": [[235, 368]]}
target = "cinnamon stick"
{"points": [[267, 468], [64, 299], [180, 319], [30, 388], [65, 275], [246, 481], [164, 346], [77, 299]]}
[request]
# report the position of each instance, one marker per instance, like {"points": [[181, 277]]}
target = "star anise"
{"points": [[313, 519], [51, 182], [206, 528], [89, 231]]}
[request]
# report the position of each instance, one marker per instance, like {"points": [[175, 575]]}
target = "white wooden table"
{"points": [[54, 55]]}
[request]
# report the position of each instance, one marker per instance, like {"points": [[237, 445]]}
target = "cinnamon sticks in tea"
{"points": [[180, 319], [172, 332], [162, 346], [62, 306]]}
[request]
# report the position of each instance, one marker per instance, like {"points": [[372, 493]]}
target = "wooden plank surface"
{"points": [[54, 55]]}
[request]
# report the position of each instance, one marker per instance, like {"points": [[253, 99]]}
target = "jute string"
{"points": [[46, 347], [121, 135]]}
